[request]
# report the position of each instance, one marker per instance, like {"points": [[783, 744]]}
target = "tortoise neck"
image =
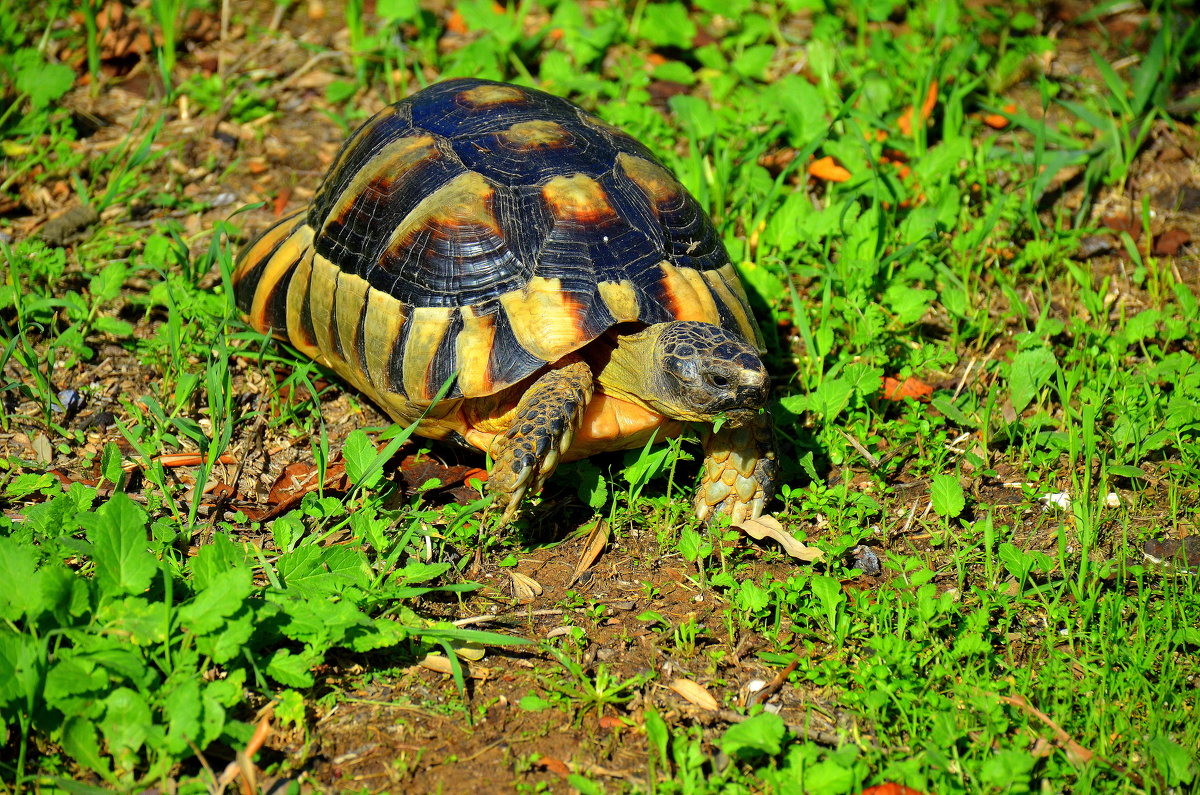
{"points": [[626, 367]]}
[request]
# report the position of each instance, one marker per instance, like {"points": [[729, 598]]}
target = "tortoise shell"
{"points": [[479, 231]]}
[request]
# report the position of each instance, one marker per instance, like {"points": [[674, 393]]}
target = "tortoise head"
{"points": [[701, 371]]}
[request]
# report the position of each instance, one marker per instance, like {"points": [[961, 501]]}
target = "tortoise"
{"points": [[545, 266]]}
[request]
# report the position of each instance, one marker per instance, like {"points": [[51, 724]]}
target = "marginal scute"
{"points": [[577, 198], [426, 332], [546, 320], [381, 334], [536, 134], [476, 346], [687, 295], [351, 303], [299, 324], [487, 95], [320, 306], [279, 265]]}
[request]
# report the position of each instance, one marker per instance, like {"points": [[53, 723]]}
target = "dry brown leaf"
{"points": [[695, 693], [525, 588], [597, 541], [767, 526], [555, 766], [437, 662]]}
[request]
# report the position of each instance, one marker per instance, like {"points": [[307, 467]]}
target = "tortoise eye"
{"points": [[719, 381]]}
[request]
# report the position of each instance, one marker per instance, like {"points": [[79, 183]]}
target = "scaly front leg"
{"points": [[543, 427], [739, 471]]}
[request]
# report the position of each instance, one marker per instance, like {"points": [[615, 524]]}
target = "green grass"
{"points": [[142, 629]]}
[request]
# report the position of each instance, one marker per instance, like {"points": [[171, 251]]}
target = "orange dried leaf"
{"points": [[890, 788], [555, 766], [456, 23], [475, 473], [827, 169], [191, 459], [930, 101], [281, 201], [910, 388], [906, 118]]}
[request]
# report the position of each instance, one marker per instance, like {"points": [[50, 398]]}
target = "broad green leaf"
{"points": [[22, 668], [760, 735], [81, 741], [290, 670], [125, 725], [119, 546], [667, 25], [19, 591], [1176, 765], [230, 638], [225, 594], [1126, 471], [947, 495], [74, 684], [1029, 371], [831, 398], [693, 546], [42, 82], [213, 559], [183, 709], [359, 454]]}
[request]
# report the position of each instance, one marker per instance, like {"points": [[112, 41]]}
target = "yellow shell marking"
{"points": [[482, 96], [320, 305], [351, 299], [427, 328], [297, 290], [385, 319], [388, 166], [656, 181], [287, 254], [463, 201], [688, 294], [474, 352], [351, 146], [545, 320], [578, 198], [620, 298], [535, 134], [263, 246]]}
